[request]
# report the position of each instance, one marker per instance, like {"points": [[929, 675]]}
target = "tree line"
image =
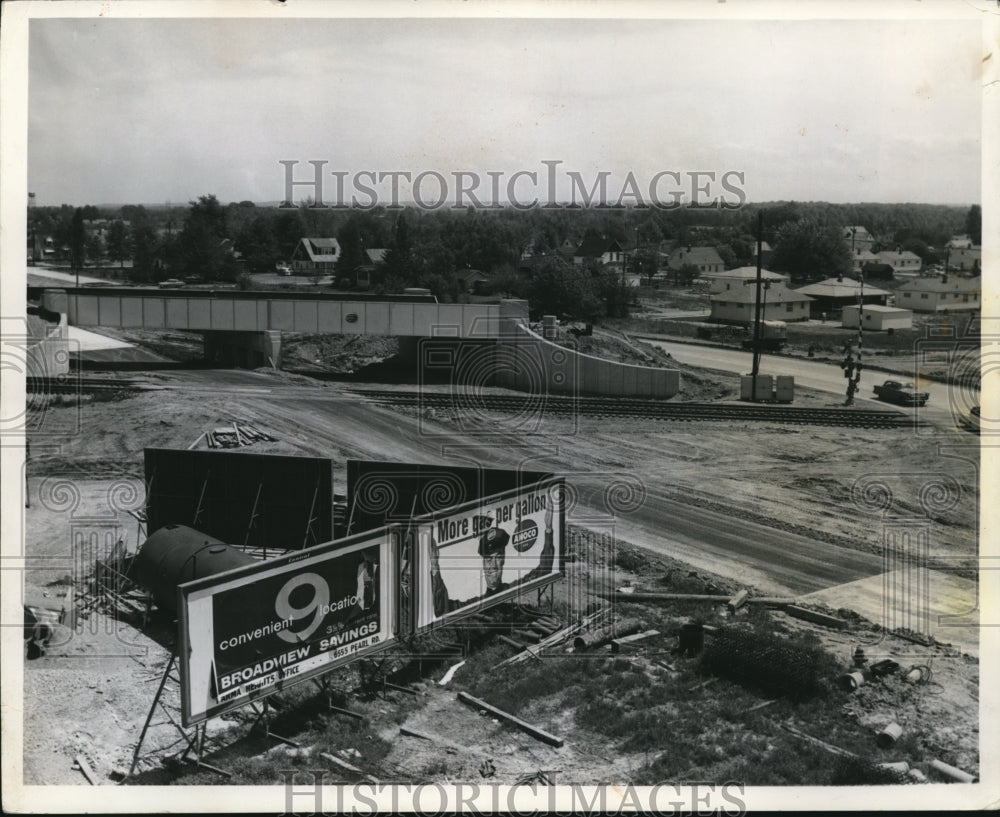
{"points": [[206, 240]]}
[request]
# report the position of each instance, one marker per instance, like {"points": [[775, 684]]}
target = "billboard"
{"points": [[253, 500], [384, 492], [477, 555], [252, 631]]}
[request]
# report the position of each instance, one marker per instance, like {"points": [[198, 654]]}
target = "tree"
{"points": [[576, 292], [399, 259], [687, 273], [810, 251], [645, 262], [94, 248], [974, 224], [77, 240], [352, 254], [201, 251], [118, 242], [256, 244], [144, 246]]}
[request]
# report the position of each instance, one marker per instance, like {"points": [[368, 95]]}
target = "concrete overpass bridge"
{"points": [[244, 329]]}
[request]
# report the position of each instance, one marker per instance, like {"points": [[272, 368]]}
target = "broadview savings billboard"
{"points": [[248, 632]]}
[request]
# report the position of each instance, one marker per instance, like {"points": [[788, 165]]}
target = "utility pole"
{"points": [[756, 323]]}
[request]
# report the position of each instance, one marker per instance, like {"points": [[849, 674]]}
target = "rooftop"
{"points": [[836, 288], [773, 295]]}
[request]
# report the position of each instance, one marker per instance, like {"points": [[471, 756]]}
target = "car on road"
{"points": [[894, 391], [171, 283], [971, 421]]}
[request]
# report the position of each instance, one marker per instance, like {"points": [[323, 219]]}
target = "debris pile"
{"points": [[235, 435]]}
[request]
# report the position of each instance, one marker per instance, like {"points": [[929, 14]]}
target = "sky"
{"points": [[153, 111]]}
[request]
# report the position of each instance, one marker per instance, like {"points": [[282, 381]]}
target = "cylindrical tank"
{"points": [[550, 326], [176, 554]]}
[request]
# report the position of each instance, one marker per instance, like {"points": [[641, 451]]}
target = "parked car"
{"points": [[971, 421], [893, 391], [171, 283]]}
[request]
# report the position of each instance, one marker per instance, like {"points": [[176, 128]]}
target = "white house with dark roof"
{"points": [[834, 294], [599, 248], [737, 278], [900, 260], [965, 258], [862, 257], [706, 259], [315, 255], [778, 303], [947, 293]]}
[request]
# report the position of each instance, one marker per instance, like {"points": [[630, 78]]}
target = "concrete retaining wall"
{"points": [[528, 362]]}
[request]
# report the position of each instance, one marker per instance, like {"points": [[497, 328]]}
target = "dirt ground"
{"points": [[91, 692]]}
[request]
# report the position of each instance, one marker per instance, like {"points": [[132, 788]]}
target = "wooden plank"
{"points": [[816, 617], [665, 597], [336, 761], [401, 688], [339, 711], [834, 750], [556, 638], [413, 733], [81, 761], [524, 726]]}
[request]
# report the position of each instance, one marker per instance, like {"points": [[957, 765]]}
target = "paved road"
{"points": [[334, 423], [50, 277], [807, 373]]}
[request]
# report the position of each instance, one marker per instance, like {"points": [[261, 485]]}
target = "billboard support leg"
{"points": [[149, 715], [264, 717], [546, 592]]}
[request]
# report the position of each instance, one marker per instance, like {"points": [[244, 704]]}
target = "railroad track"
{"points": [[72, 383], [617, 407]]}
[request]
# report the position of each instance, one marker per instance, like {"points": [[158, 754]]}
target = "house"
{"points": [[960, 242], [901, 260], [738, 278], [778, 303], [376, 256], [599, 248], [947, 293], [877, 271], [857, 238], [314, 255], [877, 318], [862, 257], [567, 249], [472, 280], [965, 258], [833, 294], [706, 259]]}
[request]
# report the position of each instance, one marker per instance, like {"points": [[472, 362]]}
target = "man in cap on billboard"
{"points": [[493, 547]]}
